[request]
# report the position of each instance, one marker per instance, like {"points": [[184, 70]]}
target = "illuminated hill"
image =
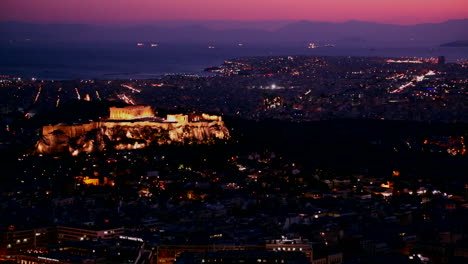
{"points": [[130, 127]]}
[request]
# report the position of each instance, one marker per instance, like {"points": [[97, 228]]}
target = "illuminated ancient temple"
{"points": [[131, 112]]}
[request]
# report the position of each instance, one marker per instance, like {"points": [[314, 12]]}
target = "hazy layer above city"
{"points": [[214, 32]]}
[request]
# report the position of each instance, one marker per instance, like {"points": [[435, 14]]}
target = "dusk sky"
{"points": [[140, 11]]}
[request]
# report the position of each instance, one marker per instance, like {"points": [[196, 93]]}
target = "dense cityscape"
{"points": [[285, 159], [296, 88]]}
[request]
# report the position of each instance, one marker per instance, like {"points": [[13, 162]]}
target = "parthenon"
{"points": [[131, 112]]}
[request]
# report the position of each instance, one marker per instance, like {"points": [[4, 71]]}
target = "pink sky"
{"points": [[118, 11]]}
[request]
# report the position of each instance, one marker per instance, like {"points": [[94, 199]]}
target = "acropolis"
{"points": [[131, 127]]}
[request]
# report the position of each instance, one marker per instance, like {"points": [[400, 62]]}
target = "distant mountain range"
{"points": [[459, 43], [239, 32]]}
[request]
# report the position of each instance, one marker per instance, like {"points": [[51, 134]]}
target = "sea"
{"points": [[65, 61]]}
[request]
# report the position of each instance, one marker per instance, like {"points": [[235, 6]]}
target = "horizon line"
{"points": [[219, 20]]}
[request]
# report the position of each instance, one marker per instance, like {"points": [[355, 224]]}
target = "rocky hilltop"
{"points": [[131, 127]]}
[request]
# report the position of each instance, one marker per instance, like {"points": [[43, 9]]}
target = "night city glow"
{"points": [[247, 131]]}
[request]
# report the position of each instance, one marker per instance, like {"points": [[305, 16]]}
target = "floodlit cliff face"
{"points": [[98, 136]]}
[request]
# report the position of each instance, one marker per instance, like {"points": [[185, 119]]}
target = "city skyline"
{"points": [[208, 131], [144, 11]]}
